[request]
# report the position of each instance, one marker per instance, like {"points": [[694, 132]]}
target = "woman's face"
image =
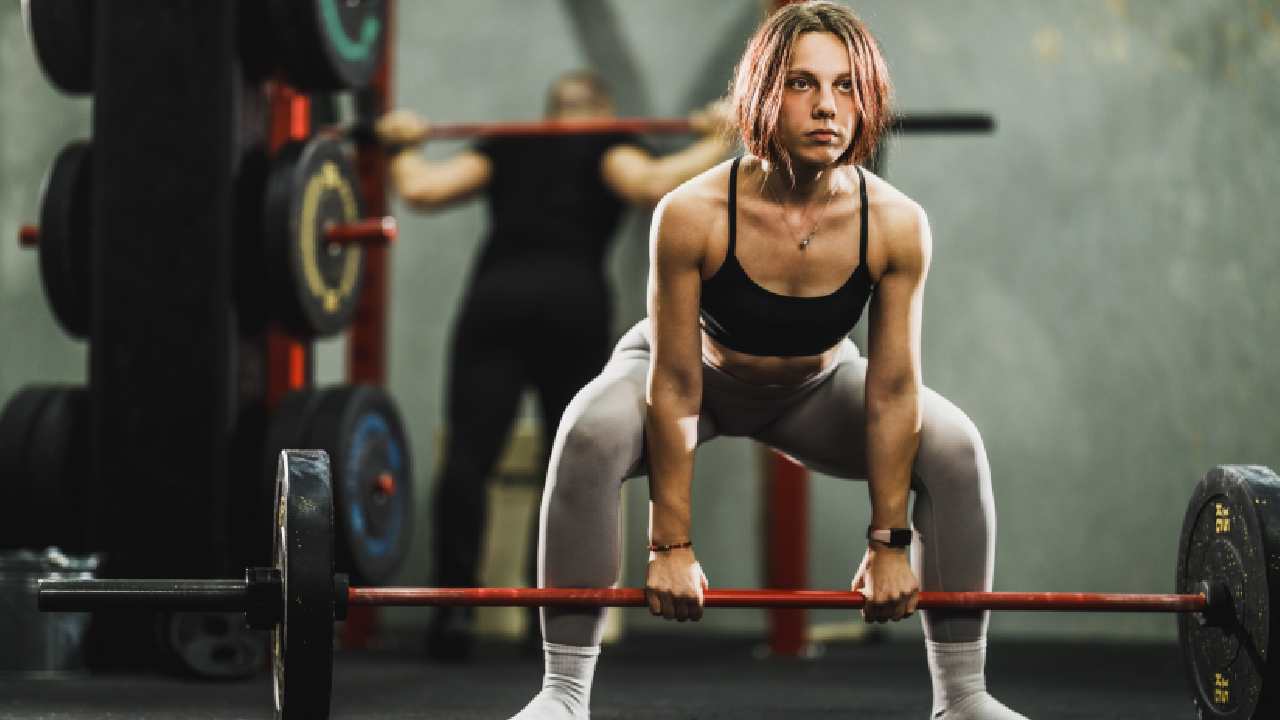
{"points": [[817, 118]]}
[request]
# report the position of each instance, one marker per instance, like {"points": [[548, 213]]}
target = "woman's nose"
{"points": [[825, 107]]}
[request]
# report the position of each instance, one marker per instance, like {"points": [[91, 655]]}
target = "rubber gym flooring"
{"points": [[662, 678]]}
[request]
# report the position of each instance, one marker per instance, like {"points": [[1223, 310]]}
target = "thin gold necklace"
{"points": [[803, 242]]}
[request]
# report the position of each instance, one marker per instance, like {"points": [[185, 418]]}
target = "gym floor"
{"points": [[659, 677]]}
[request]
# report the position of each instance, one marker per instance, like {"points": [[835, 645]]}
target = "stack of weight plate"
{"points": [[290, 277], [44, 444], [287, 275], [371, 469]]}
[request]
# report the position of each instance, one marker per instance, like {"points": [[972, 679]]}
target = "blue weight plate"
{"points": [[359, 426]]}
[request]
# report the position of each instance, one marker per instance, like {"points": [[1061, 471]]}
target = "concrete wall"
{"points": [[1102, 288]]}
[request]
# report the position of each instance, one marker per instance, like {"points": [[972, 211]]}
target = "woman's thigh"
{"points": [[827, 429]]}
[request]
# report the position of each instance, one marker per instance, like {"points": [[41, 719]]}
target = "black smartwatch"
{"points": [[891, 537]]}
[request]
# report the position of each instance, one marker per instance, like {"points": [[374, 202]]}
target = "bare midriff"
{"points": [[765, 370]]}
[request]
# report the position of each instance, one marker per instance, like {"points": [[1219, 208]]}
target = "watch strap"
{"points": [[892, 537]]}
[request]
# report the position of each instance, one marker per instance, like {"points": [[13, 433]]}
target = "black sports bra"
{"points": [[743, 316]]}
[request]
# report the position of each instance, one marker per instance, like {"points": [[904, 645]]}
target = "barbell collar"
{"points": [[1220, 607], [262, 597], [341, 595]]}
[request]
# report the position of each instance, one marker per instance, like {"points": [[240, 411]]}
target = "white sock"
{"points": [[566, 684], [959, 685]]}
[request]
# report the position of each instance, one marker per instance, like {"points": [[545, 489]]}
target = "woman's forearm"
{"points": [[427, 184], [410, 175], [893, 435], [673, 169], [671, 435]]}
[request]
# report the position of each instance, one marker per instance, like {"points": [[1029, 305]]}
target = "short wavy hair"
{"points": [[761, 75]]}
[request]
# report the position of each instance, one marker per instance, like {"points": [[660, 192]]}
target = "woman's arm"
{"points": [[674, 400], [428, 185], [424, 184], [893, 368], [640, 178], [893, 401]]}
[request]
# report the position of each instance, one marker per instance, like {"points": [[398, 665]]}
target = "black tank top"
{"points": [[548, 202], [743, 316]]}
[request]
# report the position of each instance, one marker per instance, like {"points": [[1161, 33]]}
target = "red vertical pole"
{"points": [[787, 532], [367, 342], [787, 547], [288, 360], [367, 338]]}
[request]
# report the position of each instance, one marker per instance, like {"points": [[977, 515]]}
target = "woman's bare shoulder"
{"points": [[691, 210], [898, 220], [705, 192]]}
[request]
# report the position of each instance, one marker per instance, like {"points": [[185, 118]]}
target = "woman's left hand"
{"points": [[886, 579]]}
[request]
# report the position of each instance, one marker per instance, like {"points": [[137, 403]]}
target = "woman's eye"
{"points": [[845, 86], [798, 83]]}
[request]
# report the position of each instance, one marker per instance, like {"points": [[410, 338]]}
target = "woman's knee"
{"points": [[601, 433], [951, 445]]}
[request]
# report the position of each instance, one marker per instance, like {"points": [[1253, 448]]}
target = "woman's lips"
{"points": [[825, 136]]}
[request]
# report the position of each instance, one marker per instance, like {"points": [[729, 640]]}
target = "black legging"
{"points": [[542, 324]]}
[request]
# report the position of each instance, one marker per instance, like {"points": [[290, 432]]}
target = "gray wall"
{"points": [[1101, 286], [35, 122]]}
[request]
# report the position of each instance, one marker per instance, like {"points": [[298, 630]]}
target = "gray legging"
{"points": [[820, 422]]}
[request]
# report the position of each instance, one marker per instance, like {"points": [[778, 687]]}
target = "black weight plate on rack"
{"points": [[43, 464], [58, 468], [65, 229], [61, 33], [1231, 537], [302, 640], [315, 285], [17, 425], [360, 427], [328, 44]]}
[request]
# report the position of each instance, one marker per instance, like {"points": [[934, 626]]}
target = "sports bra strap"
{"points": [[862, 194], [733, 211], [733, 205]]}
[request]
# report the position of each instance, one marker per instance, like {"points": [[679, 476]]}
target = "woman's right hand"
{"points": [[675, 584], [402, 127]]}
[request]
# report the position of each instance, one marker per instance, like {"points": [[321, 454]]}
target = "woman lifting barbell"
{"points": [[537, 308], [759, 269]]}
